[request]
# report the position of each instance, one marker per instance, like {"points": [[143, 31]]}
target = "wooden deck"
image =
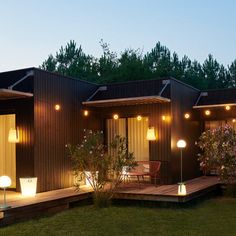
{"points": [[58, 200], [43, 203], [168, 193]]}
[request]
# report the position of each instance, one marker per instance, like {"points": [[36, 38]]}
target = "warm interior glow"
{"points": [[186, 115], [181, 143], [86, 113], [57, 107], [139, 118], [182, 189], [151, 134], [207, 112], [5, 181], [115, 117], [13, 136], [28, 186], [227, 108], [234, 120], [166, 118]]}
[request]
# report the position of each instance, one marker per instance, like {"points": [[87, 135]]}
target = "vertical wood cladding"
{"points": [[54, 129], [158, 150], [23, 108], [182, 99]]}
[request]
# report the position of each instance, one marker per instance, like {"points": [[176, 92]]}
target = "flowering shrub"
{"points": [[219, 152], [103, 172], [89, 158]]}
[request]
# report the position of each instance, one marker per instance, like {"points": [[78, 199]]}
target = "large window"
{"points": [[7, 150], [135, 130]]}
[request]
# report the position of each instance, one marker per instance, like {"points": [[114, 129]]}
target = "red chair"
{"points": [[147, 168], [154, 170]]}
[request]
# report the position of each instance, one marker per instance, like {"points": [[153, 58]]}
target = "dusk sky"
{"points": [[31, 30]]}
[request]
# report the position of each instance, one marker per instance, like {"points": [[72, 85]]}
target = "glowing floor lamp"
{"points": [[181, 188], [5, 182]]}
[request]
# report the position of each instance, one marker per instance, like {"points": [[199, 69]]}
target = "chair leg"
{"points": [[138, 181], [143, 178]]}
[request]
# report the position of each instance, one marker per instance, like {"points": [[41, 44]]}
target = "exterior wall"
{"points": [[217, 113], [23, 108], [182, 99], [158, 150], [54, 129]]}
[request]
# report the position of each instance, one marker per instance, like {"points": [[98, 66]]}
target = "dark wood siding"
{"points": [[54, 129], [23, 109], [158, 150], [182, 100]]}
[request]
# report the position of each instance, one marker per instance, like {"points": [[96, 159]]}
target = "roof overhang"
{"points": [[214, 105], [13, 94], [126, 101]]}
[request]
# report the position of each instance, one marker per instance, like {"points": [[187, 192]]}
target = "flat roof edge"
{"points": [[214, 105], [123, 100]]}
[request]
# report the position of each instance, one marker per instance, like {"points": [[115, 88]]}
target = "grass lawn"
{"points": [[211, 217]]}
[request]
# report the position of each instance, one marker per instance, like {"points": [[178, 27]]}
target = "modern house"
{"points": [[48, 110]]}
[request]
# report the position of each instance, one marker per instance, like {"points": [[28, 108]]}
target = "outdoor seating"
{"points": [[145, 169]]}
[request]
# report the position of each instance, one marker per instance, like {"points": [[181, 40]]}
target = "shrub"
{"points": [[219, 152], [104, 172]]}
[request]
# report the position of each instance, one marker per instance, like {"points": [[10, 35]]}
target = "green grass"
{"points": [[211, 217]]}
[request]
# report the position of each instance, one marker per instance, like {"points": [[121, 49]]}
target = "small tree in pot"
{"points": [[104, 172]]}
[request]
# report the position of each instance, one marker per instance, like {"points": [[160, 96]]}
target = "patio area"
{"points": [[168, 193], [58, 200]]}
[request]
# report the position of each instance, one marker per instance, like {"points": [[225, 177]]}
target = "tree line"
{"points": [[132, 64]]}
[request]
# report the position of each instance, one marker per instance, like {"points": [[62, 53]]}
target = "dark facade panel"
{"points": [[182, 100], [23, 109], [9, 78], [132, 89], [54, 129], [158, 150], [221, 96]]}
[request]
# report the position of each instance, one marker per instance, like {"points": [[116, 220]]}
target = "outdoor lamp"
{"points": [[181, 188], [151, 134], [5, 182], [28, 186], [13, 136]]}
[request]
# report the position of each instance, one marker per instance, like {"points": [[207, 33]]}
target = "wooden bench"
{"points": [[145, 168]]}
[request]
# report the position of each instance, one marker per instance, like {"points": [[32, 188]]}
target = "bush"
{"points": [[219, 152], [104, 172]]}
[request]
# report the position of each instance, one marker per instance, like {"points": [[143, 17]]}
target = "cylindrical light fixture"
{"points": [[151, 134], [13, 136]]}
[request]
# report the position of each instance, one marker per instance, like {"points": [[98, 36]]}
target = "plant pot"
{"points": [[28, 186], [89, 177]]}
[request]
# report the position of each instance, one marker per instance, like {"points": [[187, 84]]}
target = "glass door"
{"points": [[7, 149], [135, 131]]}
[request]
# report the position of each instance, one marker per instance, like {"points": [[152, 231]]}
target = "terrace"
{"points": [[57, 200]]}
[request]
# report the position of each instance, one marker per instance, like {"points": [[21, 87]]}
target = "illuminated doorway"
{"points": [[7, 149]]}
